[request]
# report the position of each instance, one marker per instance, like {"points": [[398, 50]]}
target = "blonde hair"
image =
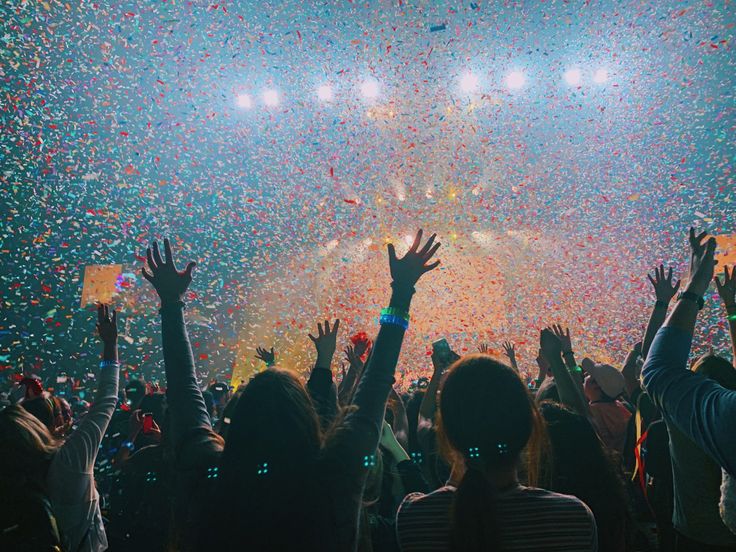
{"points": [[27, 446]]}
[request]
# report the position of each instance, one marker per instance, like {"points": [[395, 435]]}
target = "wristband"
{"points": [[128, 444], [396, 312], [394, 320], [731, 318], [109, 363], [690, 296], [576, 369], [660, 303]]}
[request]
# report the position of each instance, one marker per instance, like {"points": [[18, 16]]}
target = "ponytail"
{"points": [[474, 523]]}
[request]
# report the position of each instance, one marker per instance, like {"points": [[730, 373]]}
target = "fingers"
{"points": [[335, 326], [417, 241], [669, 275], [427, 245], [157, 254], [149, 259], [314, 339], [432, 266], [146, 275], [432, 251], [676, 286], [652, 280], [168, 257], [188, 269]]}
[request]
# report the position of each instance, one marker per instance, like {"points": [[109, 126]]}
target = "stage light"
{"points": [[573, 77], [369, 89], [468, 82], [515, 79], [270, 97], [600, 76], [244, 101], [324, 93]]}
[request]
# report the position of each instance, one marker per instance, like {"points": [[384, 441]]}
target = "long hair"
{"points": [[486, 419], [581, 466], [27, 449], [273, 441]]}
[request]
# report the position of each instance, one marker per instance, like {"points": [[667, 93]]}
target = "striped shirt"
{"points": [[529, 519]]}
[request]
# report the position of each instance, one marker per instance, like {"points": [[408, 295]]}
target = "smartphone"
{"points": [[147, 422], [441, 348]]}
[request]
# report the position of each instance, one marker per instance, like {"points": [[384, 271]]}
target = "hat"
{"points": [[608, 378]]}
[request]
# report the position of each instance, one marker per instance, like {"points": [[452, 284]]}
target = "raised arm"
{"points": [[320, 385], [664, 291], [269, 357], [372, 392], [80, 448], [429, 402], [354, 356], [698, 406], [510, 351], [570, 391], [727, 292], [568, 355], [184, 398]]}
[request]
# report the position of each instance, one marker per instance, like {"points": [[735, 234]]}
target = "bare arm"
{"points": [[664, 290], [727, 292]]}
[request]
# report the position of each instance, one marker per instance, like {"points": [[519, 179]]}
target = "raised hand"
{"points": [[510, 350], [702, 262], [326, 341], [107, 329], [664, 288], [269, 357], [550, 344], [483, 348], [405, 272], [169, 282], [354, 359], [727, 289], [563, 336], [107, 324]]}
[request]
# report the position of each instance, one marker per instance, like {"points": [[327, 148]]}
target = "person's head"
{"points": [[486, 418], [718, 369], [135, 390], [272, 441], [603, 383], [580, 465], [28, 447], [43, 408]]}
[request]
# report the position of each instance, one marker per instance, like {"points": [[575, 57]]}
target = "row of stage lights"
{"points": [[468, 83]]}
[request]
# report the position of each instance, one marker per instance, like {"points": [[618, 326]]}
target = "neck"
{"points": [[501, 479]]}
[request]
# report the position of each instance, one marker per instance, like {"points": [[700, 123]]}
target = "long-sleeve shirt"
{"points": [[70, 480], [341, 468], [696, 405]]}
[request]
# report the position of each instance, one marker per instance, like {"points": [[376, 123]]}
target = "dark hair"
{"points": [[273, 441], [487, 417], [42, 407], [580, 465]]}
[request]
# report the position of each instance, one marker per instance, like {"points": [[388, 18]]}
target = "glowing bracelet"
{"points": [[391, 311], [394, 320], [731, 317]]}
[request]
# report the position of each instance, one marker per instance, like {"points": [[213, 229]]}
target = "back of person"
{"points": [[27, 522], [697, 485], [528, 519], [486, 419]]}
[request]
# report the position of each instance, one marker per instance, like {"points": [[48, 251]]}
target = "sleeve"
{"points": [[184, 398], [79, 451], [696, 405], [412, 478], [324, 395]]}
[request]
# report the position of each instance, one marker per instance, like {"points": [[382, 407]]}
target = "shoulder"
{"points": [[423, 520]]}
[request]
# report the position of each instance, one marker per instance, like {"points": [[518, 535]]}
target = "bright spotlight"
{"points": [[515, 79], [468, 82], [600, 76], [573, 77], [270, 97], [369, 89], [244, 101], [324, 93]]}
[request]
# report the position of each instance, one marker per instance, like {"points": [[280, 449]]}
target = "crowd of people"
{"points": [[586, 456]]}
